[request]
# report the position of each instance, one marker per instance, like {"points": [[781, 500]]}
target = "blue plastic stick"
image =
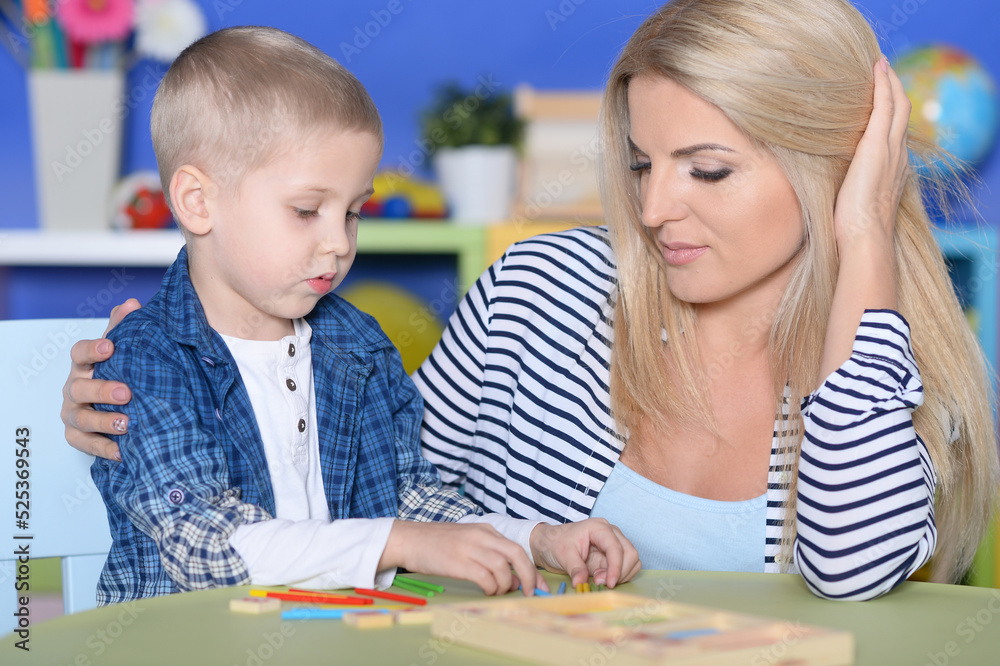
{"points": [[691, 633]]}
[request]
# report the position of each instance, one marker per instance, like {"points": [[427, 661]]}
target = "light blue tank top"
{"points": [[672, 530]]}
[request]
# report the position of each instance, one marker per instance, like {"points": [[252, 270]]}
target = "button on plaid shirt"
{"points": [[193, 467]]}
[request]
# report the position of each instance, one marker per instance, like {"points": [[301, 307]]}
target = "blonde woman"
{"points": [[760, 363]]}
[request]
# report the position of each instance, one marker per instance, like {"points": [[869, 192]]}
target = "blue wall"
{"points": [[548, 43]]}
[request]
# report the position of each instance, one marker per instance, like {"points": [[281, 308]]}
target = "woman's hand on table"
{"points": [[591, 547], [85, 426]]}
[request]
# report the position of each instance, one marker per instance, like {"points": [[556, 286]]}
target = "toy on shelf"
{"points": [[398, 196], [629, 630], [558, 177], [138, 203], [955, 102], [407, 320]]}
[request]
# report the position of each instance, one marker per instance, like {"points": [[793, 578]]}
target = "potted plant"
{"points": [[474, 135]]}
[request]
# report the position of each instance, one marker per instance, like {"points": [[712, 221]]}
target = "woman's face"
{"points": [[722, 211]]}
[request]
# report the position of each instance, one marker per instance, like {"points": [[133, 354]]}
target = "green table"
{"points": [[916, 624]]}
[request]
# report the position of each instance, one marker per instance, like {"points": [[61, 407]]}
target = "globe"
{"points": [[954, 100]]}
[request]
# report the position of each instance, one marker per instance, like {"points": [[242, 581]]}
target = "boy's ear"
{"points": [[192, 191]]}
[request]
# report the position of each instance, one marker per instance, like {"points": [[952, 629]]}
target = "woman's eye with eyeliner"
{"points": [[639, 166], [711, 176]]}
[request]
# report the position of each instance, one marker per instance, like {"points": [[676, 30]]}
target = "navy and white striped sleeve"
{"points": [[421, 495], [451, 383], [866, 482]]}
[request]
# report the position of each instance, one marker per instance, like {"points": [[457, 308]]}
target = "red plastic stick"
{"points": [[392, 597]]}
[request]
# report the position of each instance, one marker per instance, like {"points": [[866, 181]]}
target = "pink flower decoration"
{"points": [[90, 21]]}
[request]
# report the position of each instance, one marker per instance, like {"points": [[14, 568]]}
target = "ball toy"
{"points": [[405, 319], [954, 100]]}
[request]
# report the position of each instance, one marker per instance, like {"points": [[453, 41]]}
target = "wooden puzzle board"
{"points": [[627, 630]]}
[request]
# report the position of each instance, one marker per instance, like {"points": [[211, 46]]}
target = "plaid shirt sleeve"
{"points": [[421, 495], [172, 483]]}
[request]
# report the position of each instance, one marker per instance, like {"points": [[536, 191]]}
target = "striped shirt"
{"points": [[517, 409]]}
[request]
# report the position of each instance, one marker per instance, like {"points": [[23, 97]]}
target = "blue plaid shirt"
{"points": [[193, 467]]}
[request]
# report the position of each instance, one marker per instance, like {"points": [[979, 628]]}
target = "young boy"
{"points": [[274, 435]]}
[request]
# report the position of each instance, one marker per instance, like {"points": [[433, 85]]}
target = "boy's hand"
{"points": [[83, 423], [475, 552], [591, 547]]}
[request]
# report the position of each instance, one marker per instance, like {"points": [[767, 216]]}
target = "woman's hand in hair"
{"points": [[864, 218], [865, 211]]}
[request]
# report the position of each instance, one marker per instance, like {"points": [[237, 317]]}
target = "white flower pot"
{"points": [[76, 129], [478, 181]]}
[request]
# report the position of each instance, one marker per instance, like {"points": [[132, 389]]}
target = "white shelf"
{"points": [[30, 247]]}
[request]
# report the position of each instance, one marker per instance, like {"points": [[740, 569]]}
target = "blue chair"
{"points": [[62, 511]]}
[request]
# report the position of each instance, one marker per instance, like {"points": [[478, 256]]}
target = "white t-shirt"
{"points": [[302, 546]]}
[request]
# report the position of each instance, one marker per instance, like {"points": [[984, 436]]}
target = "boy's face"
{"points": [[286, 236]]}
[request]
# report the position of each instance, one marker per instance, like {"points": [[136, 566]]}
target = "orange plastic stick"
{"points": [[318, 598], [331, 595]]}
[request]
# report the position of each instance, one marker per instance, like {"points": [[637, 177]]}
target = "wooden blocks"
{"points": [[254, 605], [411, 617], [379, 620], [368, 620]]}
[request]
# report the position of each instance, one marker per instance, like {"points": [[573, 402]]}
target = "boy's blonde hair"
{"points": [[235, 98], [796, 76]]}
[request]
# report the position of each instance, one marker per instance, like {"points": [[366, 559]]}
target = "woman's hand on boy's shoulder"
{"points": [[84, 424], [591, 547]]}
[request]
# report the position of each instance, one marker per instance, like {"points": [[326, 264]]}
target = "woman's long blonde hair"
{"points": [[796, 77]]}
